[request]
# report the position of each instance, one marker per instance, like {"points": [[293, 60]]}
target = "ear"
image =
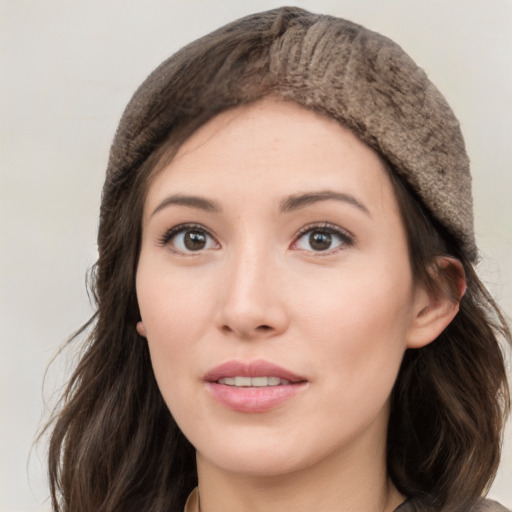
{"points": [[141, 329], [436, 307]]}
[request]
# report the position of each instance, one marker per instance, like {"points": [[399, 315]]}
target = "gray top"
{"points": [[482, 506], [192, 505]]}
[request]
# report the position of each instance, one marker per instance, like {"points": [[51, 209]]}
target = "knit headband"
{"points": [[330, 65]]}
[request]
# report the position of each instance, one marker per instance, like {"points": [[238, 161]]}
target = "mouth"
{"points": [[253, 382], [255, 386]]}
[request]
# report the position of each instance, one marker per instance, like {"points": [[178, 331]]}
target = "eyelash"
{"points": [[183, 228], [346, 238]]}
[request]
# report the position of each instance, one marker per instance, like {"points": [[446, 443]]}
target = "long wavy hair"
{"points": [[114, 446]]}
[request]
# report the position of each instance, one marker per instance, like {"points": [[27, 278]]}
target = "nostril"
{"points": [[247, 331]]}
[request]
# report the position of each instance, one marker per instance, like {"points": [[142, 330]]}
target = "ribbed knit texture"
{"points": [[333, 66]]}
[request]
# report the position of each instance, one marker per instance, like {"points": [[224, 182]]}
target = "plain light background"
{"points": [[67, 70]]}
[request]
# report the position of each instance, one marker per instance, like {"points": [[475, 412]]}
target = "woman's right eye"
{"points": [[189, 239]]}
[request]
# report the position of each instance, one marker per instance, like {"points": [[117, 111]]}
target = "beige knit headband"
{"points": [[362, 79]]}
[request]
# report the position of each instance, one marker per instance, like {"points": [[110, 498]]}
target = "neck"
{"points": [[353, 480]]}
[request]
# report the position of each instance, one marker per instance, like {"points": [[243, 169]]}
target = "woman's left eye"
{"points": [[322, 239]]}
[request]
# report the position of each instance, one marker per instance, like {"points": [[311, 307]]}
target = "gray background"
{"points": [[67, 70]]}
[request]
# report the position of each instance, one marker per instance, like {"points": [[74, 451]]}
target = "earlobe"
{"points": [[435, 309], [141, 329]]}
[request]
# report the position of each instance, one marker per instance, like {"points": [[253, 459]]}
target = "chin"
{"points": [[265, 453], [259, 463]]}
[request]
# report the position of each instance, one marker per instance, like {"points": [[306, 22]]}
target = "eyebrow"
{"points": [[191, 201], [289, 204], [297, 201]]}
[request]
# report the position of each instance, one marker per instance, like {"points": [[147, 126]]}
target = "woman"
{"points": [[288, 316]]}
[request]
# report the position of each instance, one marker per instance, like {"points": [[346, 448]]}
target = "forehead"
{"points": [[272, 148]]}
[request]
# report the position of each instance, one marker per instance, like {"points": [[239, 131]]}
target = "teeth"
{"points": [[259, 382], [242, 381], [256, 382]]}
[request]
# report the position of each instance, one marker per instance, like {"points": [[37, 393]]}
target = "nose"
{"points": [[253, 304]]}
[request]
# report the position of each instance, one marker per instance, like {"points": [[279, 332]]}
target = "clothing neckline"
{"points": [[192, 504]]}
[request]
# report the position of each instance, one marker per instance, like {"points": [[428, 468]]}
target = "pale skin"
{"points": [[274, 235]]}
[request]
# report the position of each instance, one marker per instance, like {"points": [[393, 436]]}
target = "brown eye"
{"points": [[188, 239], [194, 240], [324, 238], [320, 241]]}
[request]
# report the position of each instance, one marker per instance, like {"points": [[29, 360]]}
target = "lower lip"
{"points": [[253, 399]]}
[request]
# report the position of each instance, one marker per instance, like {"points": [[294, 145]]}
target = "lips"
{"points": [[256, 386], [251, 369]]}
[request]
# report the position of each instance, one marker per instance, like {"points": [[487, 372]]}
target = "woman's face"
{"points": [[275, 291]]}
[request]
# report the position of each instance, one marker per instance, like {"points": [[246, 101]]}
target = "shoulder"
{"points": [[489, 506], [481, 506]]}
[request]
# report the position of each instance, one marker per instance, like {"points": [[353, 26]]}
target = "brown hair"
{"points": [[114, 445]]}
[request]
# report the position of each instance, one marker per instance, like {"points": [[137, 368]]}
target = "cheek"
{"points": [[175, 311], [172, 304], [359, 330]]}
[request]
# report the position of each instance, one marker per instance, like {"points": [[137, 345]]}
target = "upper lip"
{"points": [[257, 368]]}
